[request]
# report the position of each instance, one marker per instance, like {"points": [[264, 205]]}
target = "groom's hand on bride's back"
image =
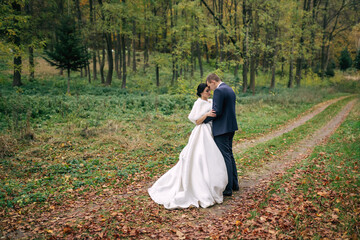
{"points": [[212, 113], [211, 116]]}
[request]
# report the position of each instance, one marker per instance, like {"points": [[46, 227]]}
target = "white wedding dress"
{"points": [[200, 176]]}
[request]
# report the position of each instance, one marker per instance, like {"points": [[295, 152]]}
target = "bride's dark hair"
{"points": [[201, 88]]}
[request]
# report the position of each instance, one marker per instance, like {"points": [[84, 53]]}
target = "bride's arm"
{"points": [[210, 113]]}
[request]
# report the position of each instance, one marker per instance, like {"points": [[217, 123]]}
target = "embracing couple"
{"points": [[206, 169]]}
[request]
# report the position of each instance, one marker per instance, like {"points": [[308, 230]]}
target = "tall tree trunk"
{"points": [[29, 11], [68, 81], [120, 55], [273, 71], [94, 64], [123, 44], [267, 55], [165, 28], [324, 37], [291, 78], [110, 58], [313, 34], [254, 54], [134, 45], [252, 73], [274, 58], [93, 44], [31, 63], [146, 51], [17, 58], [198, 50], [245, 48], [102, 64], [236, 71], [128, 44], [78, 11], [116, 55], [217, 51], [146, 41], [108, 42], [85, 71], [206, 53], [173, 43], [300, 59], [17, 71], [298, 71], [157, 75], [89, 75], [192, 60], [221, 35]]}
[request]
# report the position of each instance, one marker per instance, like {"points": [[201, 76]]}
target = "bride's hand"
{"points": [[211, 113]]}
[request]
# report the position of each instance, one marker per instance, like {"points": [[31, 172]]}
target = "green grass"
{"points": [[320, 195], [255, 157], [106, 135]]}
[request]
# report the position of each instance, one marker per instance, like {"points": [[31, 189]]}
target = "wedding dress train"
{"points": [[200, 177]]}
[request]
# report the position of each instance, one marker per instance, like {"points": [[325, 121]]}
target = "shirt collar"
{"points": [[219, 84]]}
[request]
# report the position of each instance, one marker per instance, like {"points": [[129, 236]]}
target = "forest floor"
{"points": [[253, 212]]}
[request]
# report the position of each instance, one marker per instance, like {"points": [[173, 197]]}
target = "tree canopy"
{"points": [[244, 36]]}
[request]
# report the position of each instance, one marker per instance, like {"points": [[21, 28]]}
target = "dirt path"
{"points": [[87, 209], [300, 151], [240, 147]]}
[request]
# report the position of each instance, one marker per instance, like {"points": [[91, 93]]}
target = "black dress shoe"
{"points": [[236, 189], [227, 194]]}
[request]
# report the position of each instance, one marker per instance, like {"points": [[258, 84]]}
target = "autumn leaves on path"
{"points": [[288, 127], [299, 151], [128, 212], [221, 220]]}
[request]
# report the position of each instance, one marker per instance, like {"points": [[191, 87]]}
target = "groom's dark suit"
{"points": [[224, 127]]}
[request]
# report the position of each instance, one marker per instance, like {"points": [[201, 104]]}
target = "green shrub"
{"points": [[357, 60], [345, 60]]}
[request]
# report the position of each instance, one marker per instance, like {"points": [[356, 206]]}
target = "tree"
{"points": [[357, 60], [345, 60], [12, 25], [68, 52]]}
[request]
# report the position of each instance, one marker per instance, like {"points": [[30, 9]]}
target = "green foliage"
{"points": [[13, 22], [345, 60], [330, 69], [67, 51], [357, 60]]}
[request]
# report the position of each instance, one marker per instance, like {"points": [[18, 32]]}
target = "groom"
{"points": [[224, 126]]}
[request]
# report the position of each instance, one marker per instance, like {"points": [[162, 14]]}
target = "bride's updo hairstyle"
{"points": [[201, 88]]}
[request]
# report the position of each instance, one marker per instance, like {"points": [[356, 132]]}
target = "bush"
{"points": [[345, 60], [357, 60], [330, 69]]}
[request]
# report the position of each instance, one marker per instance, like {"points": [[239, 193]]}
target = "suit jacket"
{"points": [[224, 106]]}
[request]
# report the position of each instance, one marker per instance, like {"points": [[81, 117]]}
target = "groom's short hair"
{"points": [[213, 76]]}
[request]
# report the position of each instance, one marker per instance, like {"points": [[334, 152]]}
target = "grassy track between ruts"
{"points": [[318, 198], [258, 115], [255, 157], [101, 150], [109, 138]]}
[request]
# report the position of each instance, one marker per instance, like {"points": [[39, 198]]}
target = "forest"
{"points": [[94, 104], [173, 40]]}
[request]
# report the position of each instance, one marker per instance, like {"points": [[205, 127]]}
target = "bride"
{"points": [[200, 177]]}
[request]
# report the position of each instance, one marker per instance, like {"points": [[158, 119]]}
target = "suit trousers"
{"points": [[224, 143]]}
